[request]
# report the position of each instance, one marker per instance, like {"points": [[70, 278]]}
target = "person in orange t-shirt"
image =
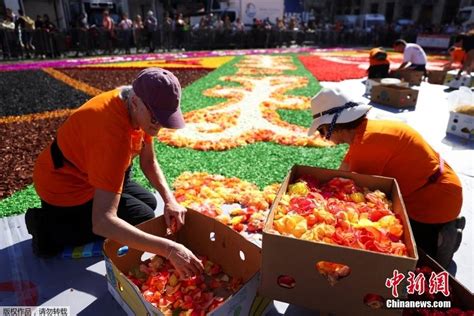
{"points": [[457, 56], [83, 177], [430, 189], [379, 64]]}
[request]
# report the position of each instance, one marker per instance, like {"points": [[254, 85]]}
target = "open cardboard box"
{"points": [[371, 83], [202, 235], [462, 297], [461, 125], [297, 258], [436, 76], [413, 77], [395, 96]]}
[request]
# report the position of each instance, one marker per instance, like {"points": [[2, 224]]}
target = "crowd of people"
{"points": [[23, 37]]}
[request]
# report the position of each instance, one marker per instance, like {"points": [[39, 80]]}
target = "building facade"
{"points": [[424, 12]]}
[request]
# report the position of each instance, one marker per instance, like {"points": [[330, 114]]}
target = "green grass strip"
{"points": [[192, 98], [19, 202], [259, 163]]}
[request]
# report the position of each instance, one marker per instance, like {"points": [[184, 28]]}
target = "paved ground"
{"points": [[81, 284]]}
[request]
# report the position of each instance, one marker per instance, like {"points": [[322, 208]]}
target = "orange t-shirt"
{"points": [[394, 149], [458, 55], [99, 144]]}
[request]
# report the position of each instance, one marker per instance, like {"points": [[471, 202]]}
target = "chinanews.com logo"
{"points": [[418, 286]]}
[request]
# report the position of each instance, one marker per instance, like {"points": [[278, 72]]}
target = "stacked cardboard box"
{"points": [[296, 259]]}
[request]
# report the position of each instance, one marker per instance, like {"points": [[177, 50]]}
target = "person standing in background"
{"points": [[151, 26], [125, 26]]}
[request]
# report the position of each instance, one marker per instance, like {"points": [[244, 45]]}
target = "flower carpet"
{"points": [[247, 118], [247, 114], [352, 64]]}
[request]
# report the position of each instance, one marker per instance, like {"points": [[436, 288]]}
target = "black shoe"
{"points": [[450, 237]]}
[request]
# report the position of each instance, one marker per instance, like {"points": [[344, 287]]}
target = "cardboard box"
{"points": [[461, 125], [297, 258], [436, 76], [370, 83], [396, 96], [202, 235], [451, 81], [461, 296], [413, 77]]}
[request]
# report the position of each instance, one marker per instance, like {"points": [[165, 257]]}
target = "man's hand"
{"points": [[184, 261], [174, 215]]}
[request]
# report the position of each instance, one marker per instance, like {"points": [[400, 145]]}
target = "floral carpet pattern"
{"points": [[352, 64], [247, 119]]}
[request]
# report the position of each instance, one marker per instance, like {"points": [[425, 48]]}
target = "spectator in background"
{"points": [[167, 32], [82, 21], [82, 36], [238, 29], [238, 26], [280, 28], [180, 24], [151, 25], [413, 54], [267, 26], [204, 23], [108, 25], [9, 15], [8, 38], [48, 26], [138, 29], [25, 26], [125, 26], [38, 22], [7, 22], [227, 23]]}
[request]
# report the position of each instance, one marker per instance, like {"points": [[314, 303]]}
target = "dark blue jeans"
{"points": [[54, 227]]}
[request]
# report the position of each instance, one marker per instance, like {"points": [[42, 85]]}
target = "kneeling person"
{"points": [[431, 190], [83, 177], [379, 64]]}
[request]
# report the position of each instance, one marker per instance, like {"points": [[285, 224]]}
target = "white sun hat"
{"points": [[330, 102]]}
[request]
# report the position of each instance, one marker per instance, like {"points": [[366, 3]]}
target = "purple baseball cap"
{"points": [[160, 91]]}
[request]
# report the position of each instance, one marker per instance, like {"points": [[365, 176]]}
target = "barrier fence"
{"points": [[97, 41]]}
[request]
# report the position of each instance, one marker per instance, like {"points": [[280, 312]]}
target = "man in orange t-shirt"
{"points": [[431, 190], [83, 177], [457, 56]]}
